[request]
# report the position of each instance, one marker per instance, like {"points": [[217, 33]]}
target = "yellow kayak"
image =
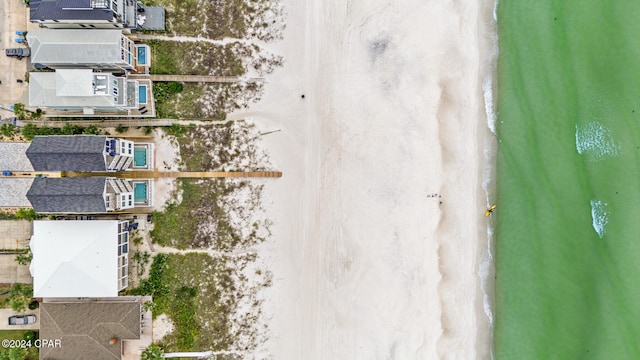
{"points": [[490, 210]]}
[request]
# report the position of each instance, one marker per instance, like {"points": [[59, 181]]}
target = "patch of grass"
{"points": [[198, 58], [177, 225], [29, 131], [200, 295], [163, 57], [219, 18], [31, 353], [201, 219]]}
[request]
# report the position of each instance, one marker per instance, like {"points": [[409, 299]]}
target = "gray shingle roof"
{"points": [[86, 328], [66, 10], [68, 195], [68, 153]]}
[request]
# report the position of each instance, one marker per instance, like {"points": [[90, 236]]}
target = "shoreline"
{"points": [[364, 262]]}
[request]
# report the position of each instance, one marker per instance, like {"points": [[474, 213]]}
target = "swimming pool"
{"points": [[142, 55], [140, 156], [142, 94], [140, 192]]}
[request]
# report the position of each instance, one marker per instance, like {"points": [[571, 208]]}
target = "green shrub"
{"points": [[29, 131], [8, 130], [120, 129], [27, 214], [69, 129], [18, 109], [20, 296], [176, 129], [162, 91], [91, 130], [31, 335], [153, 352], [24, 259]]}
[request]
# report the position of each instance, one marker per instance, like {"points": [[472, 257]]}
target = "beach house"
{"points": [[96, 329], [79, 258], [127, 15], [99, 49], [85, 92], [89, 195], [80, 153]]}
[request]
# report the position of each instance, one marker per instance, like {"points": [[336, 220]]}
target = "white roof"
{"points": [[74, 82], [65, 46], [43, 91], [75, 258]]}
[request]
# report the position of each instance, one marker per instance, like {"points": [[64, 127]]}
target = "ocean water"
{"points": [[567, 232]]}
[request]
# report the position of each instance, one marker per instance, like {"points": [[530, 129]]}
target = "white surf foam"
{"points": [[599, 216], [595, 141]]}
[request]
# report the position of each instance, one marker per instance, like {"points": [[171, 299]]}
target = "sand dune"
{"points": [[379, 229]]}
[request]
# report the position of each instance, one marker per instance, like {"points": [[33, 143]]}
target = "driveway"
{"points": [[14, 234], [4, 320], [14, 14]]}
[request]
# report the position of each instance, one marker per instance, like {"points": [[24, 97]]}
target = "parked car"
{"points": [[19, 52], [22, 319]]}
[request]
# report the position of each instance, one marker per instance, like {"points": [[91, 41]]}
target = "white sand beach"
{"points": [[379, 227]]}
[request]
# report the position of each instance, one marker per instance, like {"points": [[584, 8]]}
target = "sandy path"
{"points": [[368, 263], [221, 42]]}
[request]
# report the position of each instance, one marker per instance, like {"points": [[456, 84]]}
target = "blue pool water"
{"points": [[142, 55], [140, 156], [140, 192], [142, 94]]}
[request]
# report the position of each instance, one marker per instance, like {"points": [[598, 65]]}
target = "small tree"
{"points": [[26, 214], [153, 352], [120, 129], [19, 297], [8, 130], [29, 131], [91, 130]]}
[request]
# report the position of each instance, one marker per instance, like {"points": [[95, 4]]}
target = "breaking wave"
{"points": [[599, 216], [595, 141]]}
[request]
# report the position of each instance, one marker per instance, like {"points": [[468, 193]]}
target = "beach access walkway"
{"points": [[122, 122], [149, 174], [155, 174], [195, 78]]}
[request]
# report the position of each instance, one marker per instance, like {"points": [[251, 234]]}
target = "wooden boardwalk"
{"points": [[195, 78], [33, 174], [154, 174]]}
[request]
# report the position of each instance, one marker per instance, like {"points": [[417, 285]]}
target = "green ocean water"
{"points": [[568, 180]]}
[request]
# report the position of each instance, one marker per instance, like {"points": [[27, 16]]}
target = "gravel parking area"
{"points": [[13, 156], [14, 192]]}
